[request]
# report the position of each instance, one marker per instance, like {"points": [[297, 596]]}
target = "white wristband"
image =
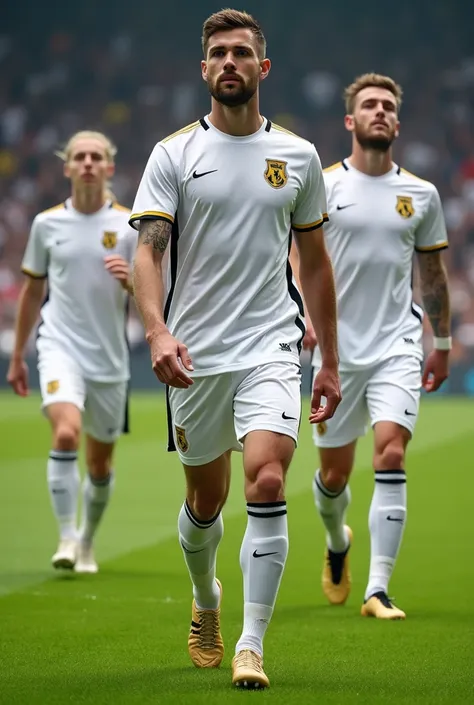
{"points": [[443, 343]]}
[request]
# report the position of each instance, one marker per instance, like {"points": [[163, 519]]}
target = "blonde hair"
{"points": [[229, 19], [110, 151], [369, 80]]}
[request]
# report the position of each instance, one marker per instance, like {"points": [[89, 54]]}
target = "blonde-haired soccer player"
{"points": [[80, 253], [226, 191], [380, 215]]}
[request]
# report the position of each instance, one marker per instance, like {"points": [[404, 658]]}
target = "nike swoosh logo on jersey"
{"points": [[409, 413], [204, 173], [341, 208], [389, 518], [292, 418]]}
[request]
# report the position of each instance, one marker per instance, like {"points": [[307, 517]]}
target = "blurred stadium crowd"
{"points": [[140, 80]]}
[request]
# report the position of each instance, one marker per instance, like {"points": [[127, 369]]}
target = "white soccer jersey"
{"points": [[233, 201], [85, 312], [376, 224]]}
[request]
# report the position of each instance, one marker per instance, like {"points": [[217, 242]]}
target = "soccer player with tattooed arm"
{"points": [[223, 194]]}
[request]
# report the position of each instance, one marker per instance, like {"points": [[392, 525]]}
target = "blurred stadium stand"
{"points": [[132, 70]]}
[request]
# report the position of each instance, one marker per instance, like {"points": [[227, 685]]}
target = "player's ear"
{"points": [[397, 129], [66, 170], [110, 170], [349, 122], [265, 66], [204, 70]]}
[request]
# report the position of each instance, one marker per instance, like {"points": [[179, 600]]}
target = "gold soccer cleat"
{"points": [[336, 579], [205, 644], [379, 606], [247, 671]]}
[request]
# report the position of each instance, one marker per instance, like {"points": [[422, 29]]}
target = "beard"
{"points": [[240, 95], [378, 143]]}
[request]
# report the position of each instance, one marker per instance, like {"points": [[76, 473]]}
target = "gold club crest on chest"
{"points": [[275, 174], [109, 239], [405, 206]]}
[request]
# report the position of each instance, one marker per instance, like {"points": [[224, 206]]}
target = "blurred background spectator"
{"points": [[132, 70]]}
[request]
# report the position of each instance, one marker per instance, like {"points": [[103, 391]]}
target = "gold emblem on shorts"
{"points": [[109, 239], [321, 428], [52, 387], [275, 173], [181, 439], [404, 206]]}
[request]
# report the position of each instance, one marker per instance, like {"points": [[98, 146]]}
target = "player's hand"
{"points": [[436, 370], [309, 341], [17, 376], [326, 384], [119, 268], [170, 359]]}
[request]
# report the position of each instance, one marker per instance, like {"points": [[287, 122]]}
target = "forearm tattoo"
{"points": [[434, 290], [155, 233]]}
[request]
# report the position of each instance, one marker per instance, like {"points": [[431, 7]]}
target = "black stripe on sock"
{"points": [[101, 481], [199, 523], [266, 505], [267, 515], [327, 493], [381, 476], [64, 456]]}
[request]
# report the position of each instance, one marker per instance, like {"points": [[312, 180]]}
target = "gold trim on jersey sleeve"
{"points": [[151, 215], [182, 131], [59, 207], [33, 275], [310, 226], [432, 248], [119, 207], [332, 167]]}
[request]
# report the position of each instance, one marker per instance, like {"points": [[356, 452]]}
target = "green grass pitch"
{"points": [[121, 636]]}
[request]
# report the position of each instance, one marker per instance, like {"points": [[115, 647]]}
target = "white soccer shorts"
{"points": [[218, 411], [388, 391], [103, 404]]}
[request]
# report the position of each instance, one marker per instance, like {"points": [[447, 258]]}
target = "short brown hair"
{"points": [[367, 80], [229, 19]]}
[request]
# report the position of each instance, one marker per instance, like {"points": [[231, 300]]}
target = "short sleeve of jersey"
{"points": [[157, 195], [431, 233], [311, 205], [35, 259]]}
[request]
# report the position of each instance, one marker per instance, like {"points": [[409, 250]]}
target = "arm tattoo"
{"points": [[434, 290], [155, 233]]}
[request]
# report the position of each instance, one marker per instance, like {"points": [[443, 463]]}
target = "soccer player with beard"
{"points": [[379, 216], [225, 192]]}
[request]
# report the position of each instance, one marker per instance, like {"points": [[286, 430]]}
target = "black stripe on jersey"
{"points": [[173, 264], [173, 271], [295, 295], [268, 126], [171, 445], [345, 165], [204, 124], [399, 170], [416, 313]]}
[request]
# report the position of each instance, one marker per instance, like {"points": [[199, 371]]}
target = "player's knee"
{"points": [[66, 437], [99, 468], [206, 507], [269, 484], [334, 479], [391, 457]]}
